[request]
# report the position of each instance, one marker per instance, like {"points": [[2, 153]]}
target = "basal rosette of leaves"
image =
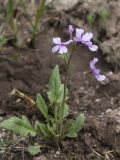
{"points": [[56, 124]]}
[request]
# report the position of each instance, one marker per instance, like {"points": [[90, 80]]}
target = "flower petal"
{"points": [[87, 37], [96, 71], [79, 33], [92, 63], [63, 49], [89, 44], [55, 48], [100, 77], [93, 48], [57, 40], [70, 29]]}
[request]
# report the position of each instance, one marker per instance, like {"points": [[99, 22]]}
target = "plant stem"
{"points": [[64, 96]]}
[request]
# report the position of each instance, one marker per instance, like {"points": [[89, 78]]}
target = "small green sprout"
{"points": [[34, 22], [104, 14], [11, 20], [101, 17], [90, 19], [3, 40]]}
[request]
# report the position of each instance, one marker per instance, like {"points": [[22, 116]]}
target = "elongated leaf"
{"points": [[55, 80], [42, 129], [65, 57], [33, 149], [39, 12], [10, 11], [76, 126], [66, 111], [26, 121], [19, 126], [42, 106], [54, 85], [3, 40], [61, 94]]}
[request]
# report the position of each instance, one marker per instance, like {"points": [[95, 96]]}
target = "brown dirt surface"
{"points": [[28, 70]]}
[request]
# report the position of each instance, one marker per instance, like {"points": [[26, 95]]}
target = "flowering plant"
{"points": [[56, 124]]}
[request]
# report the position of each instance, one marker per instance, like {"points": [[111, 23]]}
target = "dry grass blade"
{"points": [[23, 96]]}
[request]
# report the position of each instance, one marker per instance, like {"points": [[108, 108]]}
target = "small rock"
{"points": [[58, 152], [98, 100], [118, 113], [65, 4], [108, 110], [117, 129], [55, 155], [40, 158], [1, 118]]}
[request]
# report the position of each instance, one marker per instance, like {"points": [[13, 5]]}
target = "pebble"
{"points": [[58, 152], [98, 100], [63, 4], [1, 118], [117, 129], [118, 113], [40, 158], [108, 110]]}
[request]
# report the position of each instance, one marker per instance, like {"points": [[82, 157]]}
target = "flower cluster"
{"points": [[83, 38]]}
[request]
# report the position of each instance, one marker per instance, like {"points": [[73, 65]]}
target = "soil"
{"points": [[28, 70]]}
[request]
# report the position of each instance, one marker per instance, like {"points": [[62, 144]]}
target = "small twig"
{"points": [[95, 152], [83, 157], [108, 154], [23, 148], [23, 96]]}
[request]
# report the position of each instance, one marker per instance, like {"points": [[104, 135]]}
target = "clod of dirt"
{"points": [[115, 113], [64, 5], [40, 158]]}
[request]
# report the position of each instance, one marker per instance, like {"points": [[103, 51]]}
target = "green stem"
{"points": [[64, 97]]}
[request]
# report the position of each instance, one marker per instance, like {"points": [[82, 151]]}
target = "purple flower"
{"points": [[70, 29], [92, 47], [85, 39], [78, 37], [96, 71], [60, 47]]}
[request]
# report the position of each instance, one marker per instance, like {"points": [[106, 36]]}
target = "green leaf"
{"points": [[90, 18], [42, 129], [28, 124], [66, 111], [76, 126], [65, 57], [104, 14], [33, 150], [42, 106], [55, 80], [10, 11], [61, 94], [19, 126], [3, 40], [39, 12], [55, 87]]}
